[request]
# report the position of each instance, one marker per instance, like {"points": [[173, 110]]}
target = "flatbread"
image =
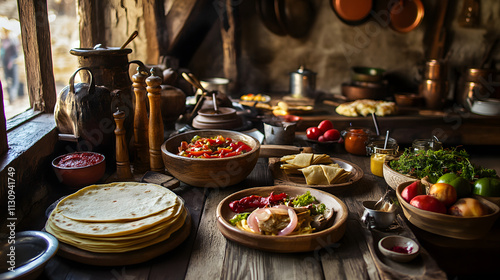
{"points": [[302, 160], [331, 172], [102, 245], [109, 229], [126, 201], [314, 175]]}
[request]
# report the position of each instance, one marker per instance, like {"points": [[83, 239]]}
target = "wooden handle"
{"points": [[267, 151], [123, 170], [141, 123], [155, 123]]}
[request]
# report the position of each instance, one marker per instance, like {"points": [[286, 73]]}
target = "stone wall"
{"points": [[332, 47]]}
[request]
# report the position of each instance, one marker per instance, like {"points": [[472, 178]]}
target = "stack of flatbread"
{"points": [[117, 217], [318, 169]]}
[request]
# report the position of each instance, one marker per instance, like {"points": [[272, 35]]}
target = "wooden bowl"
{"points": [[284, 244], [447, 225], [394, 178], [212, 172]]}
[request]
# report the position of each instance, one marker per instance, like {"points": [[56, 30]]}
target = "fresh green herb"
{"points": [[308, 200], [320, 209], [304, 200], [436, 163], [239, 217]]}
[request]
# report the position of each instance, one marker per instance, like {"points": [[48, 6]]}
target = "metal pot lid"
{"points": [[406, 15], [303, 71], [99, 51], [352, 11]]}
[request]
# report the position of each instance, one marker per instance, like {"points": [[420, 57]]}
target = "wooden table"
{"points": [[207, 254]]}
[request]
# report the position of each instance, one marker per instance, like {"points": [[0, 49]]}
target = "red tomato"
{"points": [[429, 203], [313, 133], [332, 135], [325, 125], [321, 139]]}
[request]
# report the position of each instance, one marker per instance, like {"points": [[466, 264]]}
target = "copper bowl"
{"points": [[355, 92], [77, 177], [409, 100], [210, 172]]}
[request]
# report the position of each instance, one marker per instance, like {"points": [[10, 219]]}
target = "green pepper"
{"points": [[487, 187], [461, 185]]}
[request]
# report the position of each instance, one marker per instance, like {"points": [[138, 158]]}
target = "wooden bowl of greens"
{"points": [[412, 166]]}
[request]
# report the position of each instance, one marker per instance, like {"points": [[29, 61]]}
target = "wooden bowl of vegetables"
{"points": [[459, 227], [210, 158]]}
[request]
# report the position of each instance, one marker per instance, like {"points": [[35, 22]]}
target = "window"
{"points": [[35, 37], [63, 23]]}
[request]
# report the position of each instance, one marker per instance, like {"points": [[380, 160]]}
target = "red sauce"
{"points": [[403, 250], [79, 160], [355, 141]]}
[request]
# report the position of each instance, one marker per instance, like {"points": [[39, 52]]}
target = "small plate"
{"points": [[284, 244], [298, 180], [266, 98], [340, 141]]}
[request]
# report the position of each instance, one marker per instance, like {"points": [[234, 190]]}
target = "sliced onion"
{"points": [[263, 215], [293, 222], [252, 221], [279, 210]]}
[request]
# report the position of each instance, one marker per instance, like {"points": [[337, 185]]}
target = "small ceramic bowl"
{"points": [[390, 246], [77, 177], [33, 249]]}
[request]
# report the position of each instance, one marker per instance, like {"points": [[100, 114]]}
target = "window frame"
{"points": [[36, 43]]}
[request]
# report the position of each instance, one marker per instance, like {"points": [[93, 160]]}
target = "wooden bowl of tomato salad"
{"points": [[210, 158]]}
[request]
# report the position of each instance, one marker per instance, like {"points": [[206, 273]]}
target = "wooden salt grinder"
{"points": [[155, 122], [123, 171], [141, 141]]}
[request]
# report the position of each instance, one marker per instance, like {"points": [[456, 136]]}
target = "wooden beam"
{"points": [[35, 33], [187, 23], [156, 35], [228, 34], [91, 15], [3, 125]]}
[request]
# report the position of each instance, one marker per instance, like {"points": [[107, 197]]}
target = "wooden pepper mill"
{"points": [[141, 123], [155, 122], [123, 170]]}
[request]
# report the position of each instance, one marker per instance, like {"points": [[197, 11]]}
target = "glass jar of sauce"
{"points": [[355, 140], [378, 155]]}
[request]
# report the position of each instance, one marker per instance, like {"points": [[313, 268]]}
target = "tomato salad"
{"points": [[214, 147]]}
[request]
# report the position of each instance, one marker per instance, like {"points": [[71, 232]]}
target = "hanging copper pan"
{"points": [[352, 12], [295, 16], [266, 12], [406, 15]]}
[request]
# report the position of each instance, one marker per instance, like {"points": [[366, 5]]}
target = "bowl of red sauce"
{"points": [[79, 169], [399, 248]]}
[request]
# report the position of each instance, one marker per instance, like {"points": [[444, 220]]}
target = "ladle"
{"points": [[130, 38]]}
